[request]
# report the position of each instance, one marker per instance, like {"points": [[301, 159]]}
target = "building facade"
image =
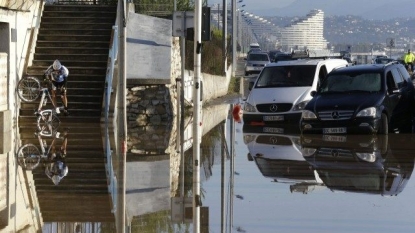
{"points": [[305, 33]]}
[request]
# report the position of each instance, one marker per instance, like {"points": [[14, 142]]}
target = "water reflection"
{"points": [[64, 174], [279, 157], [372, 164], [159, 196]]}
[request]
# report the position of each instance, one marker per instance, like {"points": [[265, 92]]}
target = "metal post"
{"points": [[234, 35], [225, 33], [121, 108], [232, 167], [196, 115], [222, 186]]}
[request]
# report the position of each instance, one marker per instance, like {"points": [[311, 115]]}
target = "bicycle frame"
{"points": [[43, 100]]}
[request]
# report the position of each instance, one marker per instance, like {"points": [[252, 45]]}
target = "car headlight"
{"points": [[249, 107], [367, 112], [300, 106], [368, 157], [249, 138], [308, 151], [308, 115]]}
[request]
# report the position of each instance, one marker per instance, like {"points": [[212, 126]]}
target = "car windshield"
{"points": [[258, 57], [360, 82], [287, 76]]}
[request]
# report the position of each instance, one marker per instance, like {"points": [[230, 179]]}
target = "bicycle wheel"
{"points": [[47, 122], [28, 156], [28, 89]]}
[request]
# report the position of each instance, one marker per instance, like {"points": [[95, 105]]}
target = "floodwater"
{"points": [[250, 181]]}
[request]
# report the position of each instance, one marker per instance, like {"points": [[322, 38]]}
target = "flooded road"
{"points": [[253, 179]]}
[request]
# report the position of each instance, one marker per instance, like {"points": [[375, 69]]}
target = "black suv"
{"points": [[372, 98]]}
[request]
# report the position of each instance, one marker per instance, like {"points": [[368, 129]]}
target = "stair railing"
{"points": [[108, 110]]}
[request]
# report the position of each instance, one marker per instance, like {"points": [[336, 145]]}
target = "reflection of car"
{"points": [[272, 129], [279, 157], [282, 90], [255, 62], [373, 164], [362, 99]]}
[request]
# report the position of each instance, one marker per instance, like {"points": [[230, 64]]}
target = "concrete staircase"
{"points": [[79, 36]]}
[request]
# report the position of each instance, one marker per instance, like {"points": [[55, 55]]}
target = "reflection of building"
{"points": [[305, 33]]}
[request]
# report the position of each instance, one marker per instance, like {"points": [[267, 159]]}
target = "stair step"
{"points": [[93, 70], [70, 63], [72, 37], [69, 13], [74, 114], [81, 8], [72, 44], [69, 51], [73, 19], [61, 26], [70, 57], [74, 32]]}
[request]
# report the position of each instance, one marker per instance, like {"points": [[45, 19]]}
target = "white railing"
{"points": [[112, 57]]}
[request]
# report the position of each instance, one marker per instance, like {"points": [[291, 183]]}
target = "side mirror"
{"points": [[313, 93]]}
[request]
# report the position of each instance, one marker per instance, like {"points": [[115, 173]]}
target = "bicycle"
{"points": [[29, 89], [29, 156]]}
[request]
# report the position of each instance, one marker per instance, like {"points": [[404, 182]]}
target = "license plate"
{"points": [[334, 130], [272, 130], [333, 138], [273, 118]]}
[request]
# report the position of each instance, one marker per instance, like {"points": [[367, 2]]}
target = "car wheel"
{"points": [[383, 129]]}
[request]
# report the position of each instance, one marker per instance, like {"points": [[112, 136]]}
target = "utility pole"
{"points": [[122, 112], [197, 124], [234, 35], [225, 33]]}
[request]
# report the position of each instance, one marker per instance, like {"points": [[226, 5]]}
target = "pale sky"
{"points": [[256, 5]]}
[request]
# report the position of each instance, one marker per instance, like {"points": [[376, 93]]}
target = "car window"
{"points": [[287, 76], [404, 73], [352, 82], [397, 77], [258, 57]]}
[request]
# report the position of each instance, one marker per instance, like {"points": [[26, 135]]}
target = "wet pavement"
{"points": [[253, 179]]}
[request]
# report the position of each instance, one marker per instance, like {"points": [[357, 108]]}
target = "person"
{"points": [[58, 75], [57, 169], [409, 59]]}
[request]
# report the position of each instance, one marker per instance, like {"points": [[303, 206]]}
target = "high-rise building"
{"points": [[305, 33]]}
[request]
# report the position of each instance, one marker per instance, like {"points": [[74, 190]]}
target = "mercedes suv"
{"points": [[373, 98]]}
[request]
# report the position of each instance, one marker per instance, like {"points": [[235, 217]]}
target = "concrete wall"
{"points": [[19, 20], [148, 49]]}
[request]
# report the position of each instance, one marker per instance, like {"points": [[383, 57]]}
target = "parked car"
{"points": [[371, 98], [282, 89], [255, 62]]}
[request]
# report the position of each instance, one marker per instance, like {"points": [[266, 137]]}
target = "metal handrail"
{"points": [[112, 57]]}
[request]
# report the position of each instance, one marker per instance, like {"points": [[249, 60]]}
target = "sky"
{"points": [[369, 9]]}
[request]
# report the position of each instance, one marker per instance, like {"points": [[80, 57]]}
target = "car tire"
{"points": [[383, 129]]}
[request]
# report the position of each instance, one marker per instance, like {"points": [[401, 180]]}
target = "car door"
{"points": [[402, 109]]}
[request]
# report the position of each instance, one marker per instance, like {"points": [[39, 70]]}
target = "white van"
{"points": [[282, 89], [254, 46]]}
